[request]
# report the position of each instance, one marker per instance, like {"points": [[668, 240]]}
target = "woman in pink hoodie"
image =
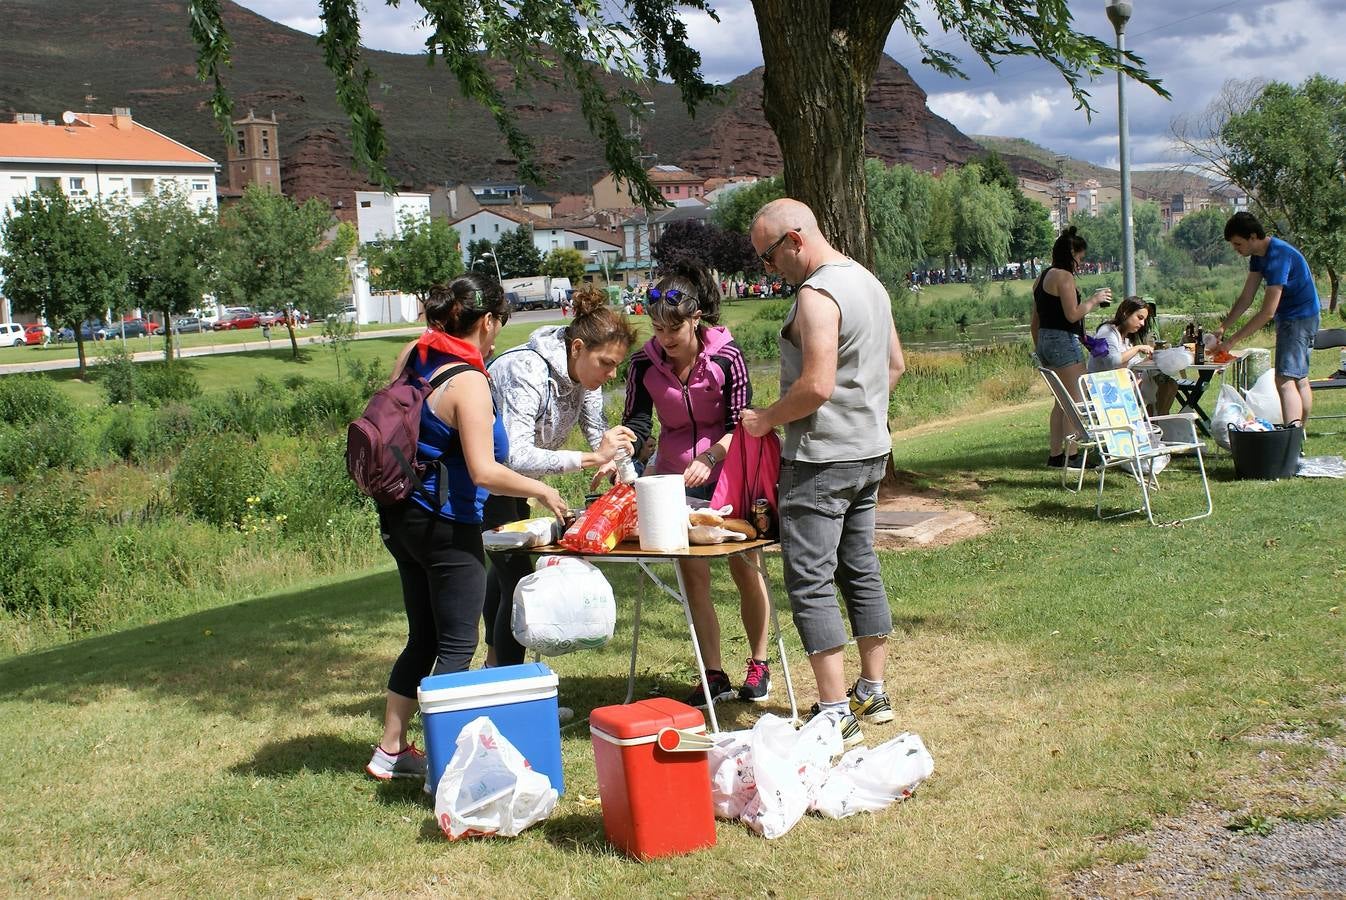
{"points": [[693, 375]]}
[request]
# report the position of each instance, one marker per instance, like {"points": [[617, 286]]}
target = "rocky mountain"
{"points": [[139, 54]]}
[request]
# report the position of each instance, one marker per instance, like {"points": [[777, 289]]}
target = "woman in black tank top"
{"points": [[1058, 329]]}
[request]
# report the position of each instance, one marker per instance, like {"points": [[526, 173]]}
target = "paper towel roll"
{"points": [[661, 504]]}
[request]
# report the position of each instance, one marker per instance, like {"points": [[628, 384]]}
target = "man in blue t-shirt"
{"points": [[1290, 296]]}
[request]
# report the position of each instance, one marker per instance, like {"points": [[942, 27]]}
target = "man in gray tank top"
{"points": [[840, 357]]}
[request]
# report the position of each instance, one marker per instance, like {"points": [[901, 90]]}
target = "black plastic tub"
{"points": [[1266, 455]]}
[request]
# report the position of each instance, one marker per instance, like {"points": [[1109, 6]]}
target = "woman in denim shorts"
{"points": [[1058, 329]]}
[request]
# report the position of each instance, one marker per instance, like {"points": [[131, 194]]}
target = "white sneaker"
{"points": [[384, 766]]}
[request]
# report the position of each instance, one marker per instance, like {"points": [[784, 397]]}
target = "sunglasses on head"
{"points": [[672, 296]]}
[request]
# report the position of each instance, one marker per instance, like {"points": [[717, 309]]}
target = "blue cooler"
{"points": [[519, 700]]}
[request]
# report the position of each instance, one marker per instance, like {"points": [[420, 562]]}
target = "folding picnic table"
{"points": [[1190, 392], [629, 553]]}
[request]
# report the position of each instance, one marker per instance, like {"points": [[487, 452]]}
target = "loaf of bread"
{"points": [[742, 526], [704, 517]]}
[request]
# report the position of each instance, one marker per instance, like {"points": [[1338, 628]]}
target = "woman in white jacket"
{"points": [[542, 390]]}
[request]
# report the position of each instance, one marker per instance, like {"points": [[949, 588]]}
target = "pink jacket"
{"points": [[694, 415]]}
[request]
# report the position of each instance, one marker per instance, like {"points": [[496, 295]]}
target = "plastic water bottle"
{"points": [[626, 469]]}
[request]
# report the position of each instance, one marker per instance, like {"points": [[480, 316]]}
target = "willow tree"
{"points": [[820, 62]]}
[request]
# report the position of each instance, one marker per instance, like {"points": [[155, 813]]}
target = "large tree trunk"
{"points": [[820, 61]]}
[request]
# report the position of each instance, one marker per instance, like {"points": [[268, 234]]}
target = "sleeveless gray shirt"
{"points": [[853, 423]]}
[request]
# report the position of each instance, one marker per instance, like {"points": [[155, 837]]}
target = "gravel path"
{"points": [[1197, 855]]}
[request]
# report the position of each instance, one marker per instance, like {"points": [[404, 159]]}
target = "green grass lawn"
{"points": [[1072, 678]]}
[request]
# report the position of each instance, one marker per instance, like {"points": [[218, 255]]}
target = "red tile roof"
{"points": [[94, 137]]}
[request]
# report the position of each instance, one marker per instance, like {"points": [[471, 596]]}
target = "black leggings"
{"points": [[507, 570], [443, 582]]}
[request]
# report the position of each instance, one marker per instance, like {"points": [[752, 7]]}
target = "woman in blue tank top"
{"points": [[1058, 329], [437, 548]]}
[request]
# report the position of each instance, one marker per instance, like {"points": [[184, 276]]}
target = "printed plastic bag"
{"points": [[781, 799], [607, 522], [869, 780], [1172, 360], [563, 608], [522, 534], [1263, 398], [1230, 409], [488, 788], [732, 782]]}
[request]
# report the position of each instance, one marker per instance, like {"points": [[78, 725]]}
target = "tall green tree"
{"points": [[982, 216], [733, 211], [517, 255], [1201, 236], [65, 259], [1287, 150], [170, 254], [275, 254], [820, 59], [1031, 230], [475, 249], [426, 252], [900, 207], [564, 262]]}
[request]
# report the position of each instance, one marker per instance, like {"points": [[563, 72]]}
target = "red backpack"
{"points": [[381, 444]]}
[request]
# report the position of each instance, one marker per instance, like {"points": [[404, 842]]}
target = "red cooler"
{"points": [[656, 797]]}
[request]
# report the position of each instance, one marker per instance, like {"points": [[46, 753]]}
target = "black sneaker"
{"points": [[720, 689], [846, 721], [756, 683], [1057, 461]]}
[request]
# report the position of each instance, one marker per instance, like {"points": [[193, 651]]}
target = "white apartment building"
{"points": [[97, 156], [379, 216]]}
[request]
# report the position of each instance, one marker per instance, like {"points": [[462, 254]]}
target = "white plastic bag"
{"points": [[1264, 399], [1230, 409], [488, 788], [712, 534], [781, 799], [869, 780], [732, 782], [562, 608], [523, 534], [1172, 360]]}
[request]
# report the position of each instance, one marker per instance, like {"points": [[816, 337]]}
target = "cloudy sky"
{"points": [[1193, 46]]}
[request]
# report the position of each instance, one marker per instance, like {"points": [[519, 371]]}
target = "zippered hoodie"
{"points": [[694, 415], [540, 404]]}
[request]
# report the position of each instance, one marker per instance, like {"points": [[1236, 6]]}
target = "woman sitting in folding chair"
{"points": [[1058, 328], [1122, 342]]}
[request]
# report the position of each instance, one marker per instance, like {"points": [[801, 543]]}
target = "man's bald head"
{"points": [[785, 214]]}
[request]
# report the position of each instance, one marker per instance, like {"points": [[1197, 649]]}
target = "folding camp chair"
{"points": [[1129, 439], [1326, 339], [1077, 431]]}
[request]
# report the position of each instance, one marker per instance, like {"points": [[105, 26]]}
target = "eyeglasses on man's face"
{"points": [[765, 255]]}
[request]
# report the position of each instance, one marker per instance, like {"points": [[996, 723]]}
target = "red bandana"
{"points": [[452, 346]]}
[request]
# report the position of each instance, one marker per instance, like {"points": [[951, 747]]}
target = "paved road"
{"points": [[279, 338]]}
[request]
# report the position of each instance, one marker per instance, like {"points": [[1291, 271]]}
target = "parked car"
{"points": [[129, 328], [350, 314], [37, 334], [271, 319], [190, 325], [11, 334], [239, 320], [89, 331]]}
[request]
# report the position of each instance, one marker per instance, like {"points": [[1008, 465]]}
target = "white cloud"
{"points": [[728, 48], [986, 113]]}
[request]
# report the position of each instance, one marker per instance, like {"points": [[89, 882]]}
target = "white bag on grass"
{"points": [[732, 782], [869, 780], [562, 608], [488, 788], [1230, 409], [1264, 399], [781, 799]]}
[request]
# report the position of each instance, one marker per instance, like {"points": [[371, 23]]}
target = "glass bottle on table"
{"points": [[1200, 351]]}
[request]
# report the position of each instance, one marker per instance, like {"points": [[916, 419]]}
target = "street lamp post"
{"points": [[1119, 13], [497, 265]]}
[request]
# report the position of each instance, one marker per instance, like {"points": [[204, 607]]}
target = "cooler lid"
{"points": [[644, 718], [483, 683]]}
